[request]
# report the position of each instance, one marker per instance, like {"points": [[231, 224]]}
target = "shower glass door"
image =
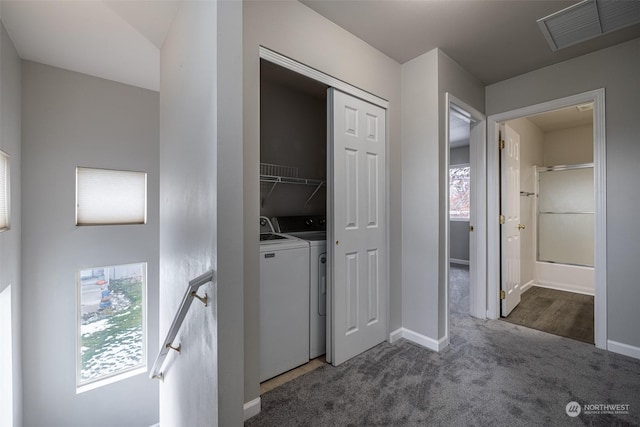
{"points": [[566, 206]]}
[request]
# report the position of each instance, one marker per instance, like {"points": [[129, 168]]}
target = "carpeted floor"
{"points": [[493, 373], [561, 313]]}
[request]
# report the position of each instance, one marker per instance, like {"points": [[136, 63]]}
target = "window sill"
{"points": [[110, 380]]}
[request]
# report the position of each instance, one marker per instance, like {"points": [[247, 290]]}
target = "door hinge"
{"points": [[502, 294], [501, 144], [501, 219]]}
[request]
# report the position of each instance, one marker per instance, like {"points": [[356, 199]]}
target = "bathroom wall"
{"points": [[570, 146]]}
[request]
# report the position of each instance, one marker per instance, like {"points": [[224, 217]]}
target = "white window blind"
{"points": [[4, 191], [110, 197]]}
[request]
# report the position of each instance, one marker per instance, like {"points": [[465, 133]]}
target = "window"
{"points": [[459, 192], [111, 318], [108, 197], [4, 191]]}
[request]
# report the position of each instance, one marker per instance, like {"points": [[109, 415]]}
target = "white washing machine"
{"points": [[284, 302], [313, 230]]}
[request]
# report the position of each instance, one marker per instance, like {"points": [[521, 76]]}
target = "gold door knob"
{"points": [[520, 226], [471, 228]]}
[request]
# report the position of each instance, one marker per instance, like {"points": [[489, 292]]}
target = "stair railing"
{"points": [[189, 295]]}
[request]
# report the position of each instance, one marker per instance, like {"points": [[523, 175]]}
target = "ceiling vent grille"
{"points": [[588, 19]]}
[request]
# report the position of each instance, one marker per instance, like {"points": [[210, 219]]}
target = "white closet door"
{"points": [[358, 248]]}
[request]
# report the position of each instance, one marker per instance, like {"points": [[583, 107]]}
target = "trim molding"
{"points": [[567, 287], [477, 239], [252, 408], [416, 338], [459, 261], [624, 349], [599, 151], [305, 70]]}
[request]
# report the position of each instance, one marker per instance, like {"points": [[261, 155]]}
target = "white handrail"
{"points": [[190, 294]]}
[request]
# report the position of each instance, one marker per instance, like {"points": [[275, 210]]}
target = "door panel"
{"points": [[357, 246], [510, 199]]}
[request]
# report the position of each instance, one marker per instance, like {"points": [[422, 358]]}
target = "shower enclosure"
{"points": [[565, 227]]}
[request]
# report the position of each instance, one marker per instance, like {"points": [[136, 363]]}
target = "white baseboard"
{"points": [[625, 349], [459, 261], [416, 338], [527, 285], [251, 409], [395, 335], [564, 287]]}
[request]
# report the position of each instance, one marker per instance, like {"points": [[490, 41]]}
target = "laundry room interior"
{"points": [[293, 139], [293, 203]]}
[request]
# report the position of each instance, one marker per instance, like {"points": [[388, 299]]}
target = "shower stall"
{"points": [[565, 227]]}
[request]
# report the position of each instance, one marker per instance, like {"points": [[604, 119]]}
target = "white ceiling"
{"points": [[492, 39], [115, 40], [120, 39], [562, 119]]}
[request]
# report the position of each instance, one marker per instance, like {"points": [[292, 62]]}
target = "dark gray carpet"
{"points": [[557, 312], [492, 374]]}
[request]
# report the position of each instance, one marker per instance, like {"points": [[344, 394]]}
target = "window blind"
{"points": [[110, 197]]}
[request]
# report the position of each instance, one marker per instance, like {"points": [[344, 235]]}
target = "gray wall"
{"points": [[330, 49], [201, 193], [68, 120], [230, 223], [293, 132], [425, 82], [453, 79], [10, 240], [459, 230], [616, 69]]}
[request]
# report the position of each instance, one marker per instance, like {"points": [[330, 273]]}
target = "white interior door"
{"points": [[357, 241], [510, 205]]}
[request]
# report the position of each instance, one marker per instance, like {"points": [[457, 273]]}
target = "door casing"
{"points": [[477, 241], [599, 159]]}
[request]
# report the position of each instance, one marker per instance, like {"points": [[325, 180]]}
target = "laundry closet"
{"points": [[293, 211]]}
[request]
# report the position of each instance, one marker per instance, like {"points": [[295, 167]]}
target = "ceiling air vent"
{"points": [[588, 19]]}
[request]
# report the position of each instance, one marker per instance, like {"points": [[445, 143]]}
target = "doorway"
{"points": [[547, 235], [465, 210], [596, 99]]}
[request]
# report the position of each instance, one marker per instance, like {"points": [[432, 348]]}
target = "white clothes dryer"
{"points": [[313, 230]]}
